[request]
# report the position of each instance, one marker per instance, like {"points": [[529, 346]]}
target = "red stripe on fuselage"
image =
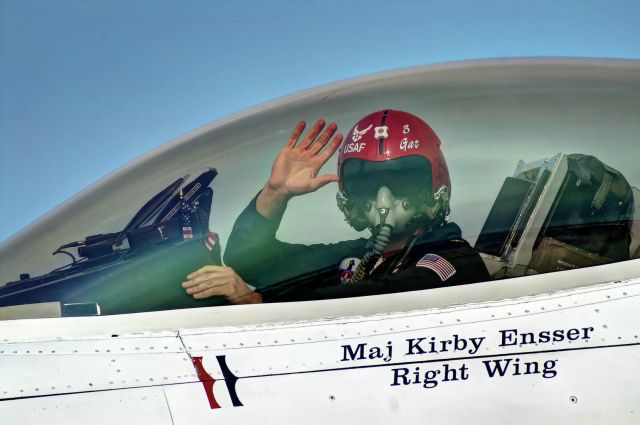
{"points": [[207, 381]]}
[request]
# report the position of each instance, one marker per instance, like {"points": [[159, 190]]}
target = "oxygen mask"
{"points": [[387, 217]]}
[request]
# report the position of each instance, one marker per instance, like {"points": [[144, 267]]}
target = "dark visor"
{"points": [[405, 176]]}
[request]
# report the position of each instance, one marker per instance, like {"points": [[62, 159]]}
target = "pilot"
{"points": [[393, 182]]}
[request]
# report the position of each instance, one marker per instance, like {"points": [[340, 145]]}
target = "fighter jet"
{"points": [[96, 327]]}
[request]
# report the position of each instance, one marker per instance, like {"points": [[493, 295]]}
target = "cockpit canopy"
{"points": [[542, 156]]}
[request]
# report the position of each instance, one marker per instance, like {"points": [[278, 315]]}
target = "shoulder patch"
{"points": [[438, 265], [347, 267]]}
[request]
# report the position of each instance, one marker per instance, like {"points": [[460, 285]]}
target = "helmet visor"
{"points": [[405, 177]]}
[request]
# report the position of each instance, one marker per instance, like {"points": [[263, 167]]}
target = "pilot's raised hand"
{"points": [[223, 281], [295, 170]]}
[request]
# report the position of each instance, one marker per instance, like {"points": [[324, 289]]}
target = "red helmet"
{"points": [[397, 150], [387, 135]]}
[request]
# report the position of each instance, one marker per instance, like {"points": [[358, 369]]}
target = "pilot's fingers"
{"points": [[211, 272], [208, 284], [315, 130], [213, 276], [229, 290], [193, 282], [206, 270], [331, 148], [297, 131], [323, 180], [324, 138]]}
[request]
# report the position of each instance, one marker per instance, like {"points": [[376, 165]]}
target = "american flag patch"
{"points": [[437, 264], [187, 233], [211, 240]]}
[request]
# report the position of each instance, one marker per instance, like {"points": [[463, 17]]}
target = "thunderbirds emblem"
{"points": [[357, 134], [381, 132]]}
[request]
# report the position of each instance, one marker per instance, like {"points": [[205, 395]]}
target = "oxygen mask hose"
{"points": [[374, 247]]}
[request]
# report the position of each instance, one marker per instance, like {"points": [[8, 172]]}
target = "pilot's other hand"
{"points": [[223, 281], [295, 170]]}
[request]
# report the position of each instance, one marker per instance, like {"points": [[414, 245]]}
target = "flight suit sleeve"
{"points": [[469, 268], [255, 254]]}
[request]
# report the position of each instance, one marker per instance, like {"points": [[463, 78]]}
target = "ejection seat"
{"points": [[566, 212]]}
